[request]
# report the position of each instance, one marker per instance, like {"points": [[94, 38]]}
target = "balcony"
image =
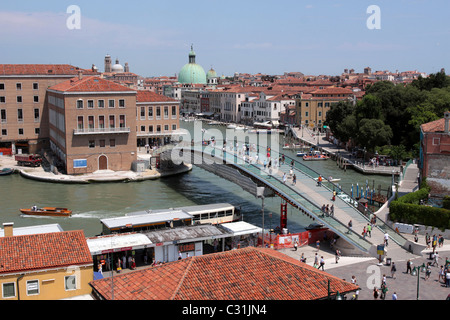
{"points": [[91, 131]]}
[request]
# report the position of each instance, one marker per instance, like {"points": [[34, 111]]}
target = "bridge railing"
{"points": [[331, 186], [294, 197]]}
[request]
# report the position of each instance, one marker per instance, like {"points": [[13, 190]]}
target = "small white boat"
{"points": [[300, 154], [231, 126]]}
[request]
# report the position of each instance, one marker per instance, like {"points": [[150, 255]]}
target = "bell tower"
{"points": [[108, 63]]}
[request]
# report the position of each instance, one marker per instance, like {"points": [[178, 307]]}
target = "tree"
{"points": [[398, 152], [336, 115], [373, 133]]}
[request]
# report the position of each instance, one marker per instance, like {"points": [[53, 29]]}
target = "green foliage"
{"points": [[400, 110], [446, 202], [407, 210]]}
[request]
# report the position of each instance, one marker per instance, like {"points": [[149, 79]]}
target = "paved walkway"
{"points": [[40, 173], [369, 273], [320, 141]]}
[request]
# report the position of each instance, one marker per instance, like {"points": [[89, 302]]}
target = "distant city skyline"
{"points": [[267, 37]]}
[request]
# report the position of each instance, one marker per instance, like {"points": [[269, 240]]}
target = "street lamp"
{"points": [[338, 295], [260, 194], [416, 272]]}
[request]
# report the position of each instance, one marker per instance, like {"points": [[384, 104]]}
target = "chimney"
{"points": [[8, 229], [447, 119], [80, 74]]}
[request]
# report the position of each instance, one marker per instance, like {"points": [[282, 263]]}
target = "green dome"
{"points": [[192, 73]]}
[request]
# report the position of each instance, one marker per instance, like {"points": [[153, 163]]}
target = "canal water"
{"points": [[92, 202]]}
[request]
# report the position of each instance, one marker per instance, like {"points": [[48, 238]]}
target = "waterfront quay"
{"points": [[343, 157]]}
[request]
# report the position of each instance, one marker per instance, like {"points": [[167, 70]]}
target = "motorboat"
{"points": [[6, 171], [47, 211]]}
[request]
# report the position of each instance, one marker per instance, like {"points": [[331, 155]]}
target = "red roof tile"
{"points": [[150, 96], [434, 126], [41, 69], [243, 274], [43, 251], [89, 84]]}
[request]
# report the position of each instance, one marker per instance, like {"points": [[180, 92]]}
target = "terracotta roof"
{"points": [[41, 69], [332, 90], [242, 274], [89, 84], [434, 126], [43, 251], [150, 96]]}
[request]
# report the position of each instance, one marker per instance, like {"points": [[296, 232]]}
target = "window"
{"points": [[70, 283], [174, 112], [150, 113], [35, 86], [2, 86], [174, 127], [320, 104], [4, 132], [111, 104], [2, 100], [20, 131], [101, 104], [121, 103], [80, 123], [166, 112], [320, 113], [436, 141], [32, 287], [327, 104], [102, 143], [37, 131], [36, 99], [142, 113], [91, 144], [90, 104], [306, 113], [19, 99], [3, 115], [158, 128], [142, 128], [166, 127], [112, 123], [158, 113], [306, 104], [101, 122], [150, 128], [79, 104], [18, 86], [9, 290], [91, 122], [122, 121], [36, 115], [112, 143], [20, 115]]}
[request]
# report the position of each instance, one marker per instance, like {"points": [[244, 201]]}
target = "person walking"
{"points": [[386, 239], [318, 245], [447, 279], [294, 179], [384, 290], [284, 178], [332, 210], [322, 263], [428, 271], [394, 296], [337, 255], [376, 293], [436, 259], [295, 245], [369, 230], [409, 266], [316, 261], [393, 270]]}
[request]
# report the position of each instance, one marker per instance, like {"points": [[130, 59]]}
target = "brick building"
{"points": [[92, 123], [435, 155], [24, 123]]}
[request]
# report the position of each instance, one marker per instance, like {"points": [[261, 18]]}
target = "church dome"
{"points": [[117, 67], [192, 73], [211, 74]]}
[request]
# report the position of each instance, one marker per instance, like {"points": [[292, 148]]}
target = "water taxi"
{"points": [[6, 171], [47, 211], [315, 157]]}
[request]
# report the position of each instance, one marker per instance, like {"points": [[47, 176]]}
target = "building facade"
{"points": [[435, 155], [91, 124], [157, 119], [311, 109], [23, 103]]}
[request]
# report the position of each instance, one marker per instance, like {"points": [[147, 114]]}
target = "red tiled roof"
{"points": [[150, 96], [332, 90], [41, 69], [434, 126], [243, 274], [89, 84], [43, 251]]}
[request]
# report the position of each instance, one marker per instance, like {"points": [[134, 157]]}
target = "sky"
{"points": [[246, 36]]}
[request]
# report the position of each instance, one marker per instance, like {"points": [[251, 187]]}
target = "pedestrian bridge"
{"points": [[305, 195]]}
